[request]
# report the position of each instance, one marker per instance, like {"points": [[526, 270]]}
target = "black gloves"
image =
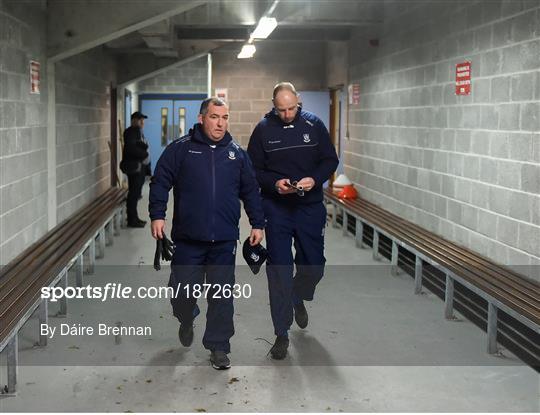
{"points": [[164, 250]]}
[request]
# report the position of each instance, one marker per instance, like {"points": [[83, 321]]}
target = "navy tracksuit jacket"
{"points": [[292, 151], [208, 180]]}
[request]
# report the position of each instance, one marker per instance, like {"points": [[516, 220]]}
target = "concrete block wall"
{"points": [[23, 129], [191, 77], [464, 167], [250, 81], [83, 129]]}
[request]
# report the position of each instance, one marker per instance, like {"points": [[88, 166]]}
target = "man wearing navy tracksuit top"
{"points": [[209, 174], [291, 145]]}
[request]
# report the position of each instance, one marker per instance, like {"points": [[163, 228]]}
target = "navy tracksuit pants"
{"points": [[196, 262], [303, 224]]}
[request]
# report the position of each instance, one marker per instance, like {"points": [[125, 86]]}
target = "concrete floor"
{"points": [[371, 345]]}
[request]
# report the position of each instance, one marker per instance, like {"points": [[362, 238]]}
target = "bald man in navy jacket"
{"points": [[291, 146]]}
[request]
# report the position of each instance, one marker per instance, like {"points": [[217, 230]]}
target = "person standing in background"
{"points": [[136, 165]]}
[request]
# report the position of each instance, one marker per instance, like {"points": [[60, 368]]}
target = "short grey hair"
{"points": [[218, 102], [284, 86]]}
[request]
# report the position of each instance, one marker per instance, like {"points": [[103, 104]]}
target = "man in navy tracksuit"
{"points": [[209, 174], [292, 146]]}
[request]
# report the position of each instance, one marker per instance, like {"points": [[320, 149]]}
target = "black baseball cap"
{"points": [[138, 115], [254, 255]]}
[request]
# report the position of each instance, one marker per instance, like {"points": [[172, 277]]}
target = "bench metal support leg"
{"points": [[418, 268], [359, 234], [90, 257], [63, 300], [123, 216], [12, 363], [394, 261], [345, 223], [334, 215], [43, 311], [492, 329], [375, 245], [117, 222], [101, 243], [109, 239], [92, 254], [449, 298], [79, 270]]}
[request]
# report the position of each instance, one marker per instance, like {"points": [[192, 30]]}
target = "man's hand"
{"points": [[282, 188], [158, 228], [256, 236], [307, 183]]}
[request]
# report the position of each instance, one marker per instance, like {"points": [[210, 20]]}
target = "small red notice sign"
{"points": [[463, 78], [354, 94], [34, 77]]}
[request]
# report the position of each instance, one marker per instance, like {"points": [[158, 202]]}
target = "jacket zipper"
{"points": [[213, 196]]}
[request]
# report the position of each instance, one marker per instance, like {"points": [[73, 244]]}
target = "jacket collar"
{"points": [[198, 135], [272, 114]]}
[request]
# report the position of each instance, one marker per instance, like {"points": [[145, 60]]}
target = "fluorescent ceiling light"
{"points": [[264, 28], [247, 51]]}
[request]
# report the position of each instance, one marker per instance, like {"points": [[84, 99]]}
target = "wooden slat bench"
{"points": [[501, 287], [71, 245]]}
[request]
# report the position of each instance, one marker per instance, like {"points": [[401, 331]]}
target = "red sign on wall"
{"points": [[463, 78], [34, 77]]}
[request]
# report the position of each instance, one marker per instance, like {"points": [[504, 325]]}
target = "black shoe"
{"points": [[219, 360], [185, 334], [279, 349], [136, 224], [301, 315]]}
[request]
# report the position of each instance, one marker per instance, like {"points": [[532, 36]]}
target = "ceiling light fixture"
{"points": [[264, 28], [247, 51]]}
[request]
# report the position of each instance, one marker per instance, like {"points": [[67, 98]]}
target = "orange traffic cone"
{"points": [[348, 192], [340, 182]]}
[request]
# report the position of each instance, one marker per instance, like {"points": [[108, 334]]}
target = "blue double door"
{"points": [[172, 115], [169, 117]]}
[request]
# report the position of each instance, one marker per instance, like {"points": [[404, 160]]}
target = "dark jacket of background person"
{"points": [[135, 151]]}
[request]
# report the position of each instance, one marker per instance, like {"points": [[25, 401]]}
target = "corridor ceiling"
{"points": [[178, 29]]}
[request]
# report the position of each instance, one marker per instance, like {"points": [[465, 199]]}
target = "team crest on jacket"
{"points": [[306, 138], [232, 155]]}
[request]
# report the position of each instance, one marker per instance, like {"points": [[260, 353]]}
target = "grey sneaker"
{"points": [[219, 360]]}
